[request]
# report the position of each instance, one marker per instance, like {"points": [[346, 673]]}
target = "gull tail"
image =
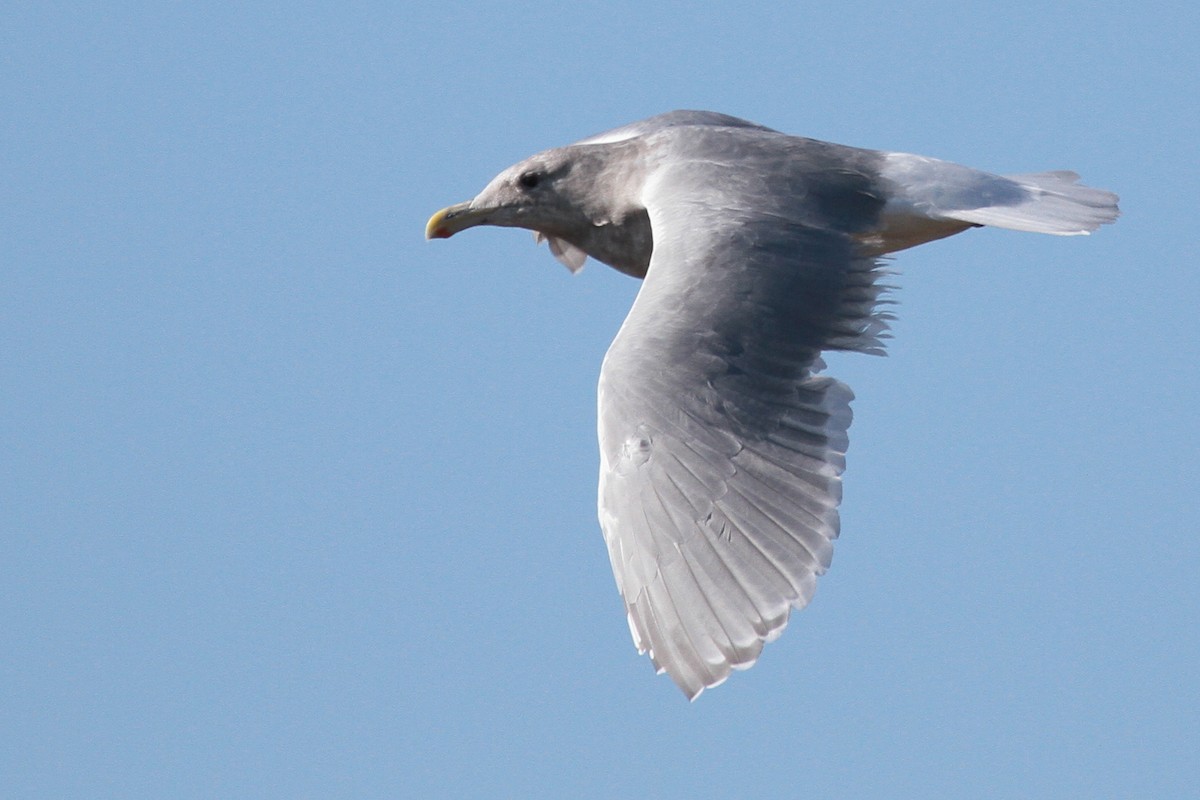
{"points": [[941, 192], [1050, 202]]}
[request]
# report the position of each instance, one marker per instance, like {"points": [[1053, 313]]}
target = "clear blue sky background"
{"points": [[296, 504]]}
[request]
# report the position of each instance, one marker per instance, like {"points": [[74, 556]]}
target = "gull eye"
{"points": [[529, 180]]}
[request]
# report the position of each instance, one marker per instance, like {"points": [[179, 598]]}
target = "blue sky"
{"points": [[296, 504]]}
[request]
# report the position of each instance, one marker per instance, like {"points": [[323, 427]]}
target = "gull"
{"points": [[722, 445]]}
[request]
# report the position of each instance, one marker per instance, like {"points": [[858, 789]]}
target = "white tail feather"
{"points": [[1041, 202]]}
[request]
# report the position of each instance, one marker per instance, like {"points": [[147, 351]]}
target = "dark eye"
{"points": [[529, 180]]}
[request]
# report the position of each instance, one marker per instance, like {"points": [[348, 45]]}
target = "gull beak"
{"points": [[450, 221]]}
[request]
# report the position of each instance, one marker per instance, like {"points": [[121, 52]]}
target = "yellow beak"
{"points": [[453, 219]]}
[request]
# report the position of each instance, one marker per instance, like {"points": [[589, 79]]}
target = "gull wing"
{"points": [[721, 449], [671, 119]]}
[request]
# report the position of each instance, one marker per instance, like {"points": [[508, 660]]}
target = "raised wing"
{"points": [[671, 119], [721, 450]]}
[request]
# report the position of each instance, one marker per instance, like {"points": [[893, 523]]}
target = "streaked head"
{"points": [[533, 194]]}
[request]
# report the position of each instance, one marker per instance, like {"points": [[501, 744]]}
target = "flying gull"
{"points": [[721, 444]]}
